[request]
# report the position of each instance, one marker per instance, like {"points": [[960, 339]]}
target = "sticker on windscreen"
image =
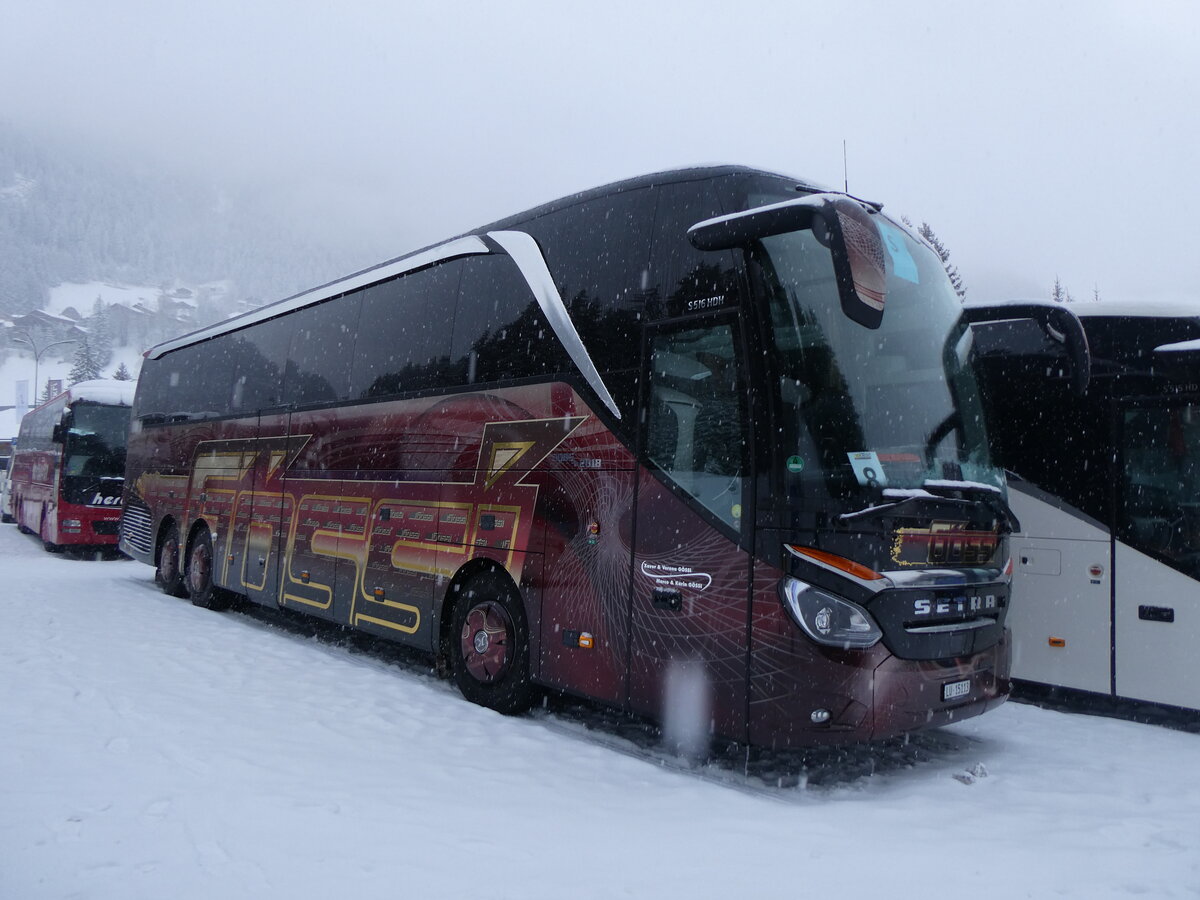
{"points": [[903, 265], [868, 469], [795, 464]]}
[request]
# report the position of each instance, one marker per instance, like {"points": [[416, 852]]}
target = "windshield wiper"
{"points": [[991, 496], [915, 501]]}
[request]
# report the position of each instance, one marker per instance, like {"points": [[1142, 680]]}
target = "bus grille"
{"points": [[135, 526]]}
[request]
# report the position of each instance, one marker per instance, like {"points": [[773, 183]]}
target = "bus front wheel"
{"points": [[199, 574], [489, 645], [168, 574]]}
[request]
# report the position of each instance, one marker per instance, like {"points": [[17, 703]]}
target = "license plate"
{"points": [[955, 689]]}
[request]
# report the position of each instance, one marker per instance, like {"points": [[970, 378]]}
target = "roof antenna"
{"points": [[845, 168]]}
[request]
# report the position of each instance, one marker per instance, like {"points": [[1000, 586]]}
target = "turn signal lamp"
{"points": [[849, 566]]}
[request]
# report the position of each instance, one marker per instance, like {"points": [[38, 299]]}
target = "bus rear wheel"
{"points": [[199, 575], [489, 645], [168, 574]]}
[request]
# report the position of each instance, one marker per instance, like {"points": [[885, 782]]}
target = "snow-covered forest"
{"points": [[70, 214]]}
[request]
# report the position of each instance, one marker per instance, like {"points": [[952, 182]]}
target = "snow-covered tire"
{"points": [[199, 574], [168, 573], [489, 645]]}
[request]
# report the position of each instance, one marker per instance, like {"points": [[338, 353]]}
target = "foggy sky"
{"points": [[1039, 139]]}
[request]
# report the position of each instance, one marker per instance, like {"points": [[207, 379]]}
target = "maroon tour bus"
{"points": [[713, 428], [68, 466]]}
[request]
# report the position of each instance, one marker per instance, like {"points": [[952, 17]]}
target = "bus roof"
{"points": [[1158, 309], [102, 390]]}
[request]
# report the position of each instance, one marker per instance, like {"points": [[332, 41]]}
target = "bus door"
{"points": [[252, 564], [1156, 553], [688, 641]]}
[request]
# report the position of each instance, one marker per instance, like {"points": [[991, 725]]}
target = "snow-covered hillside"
{"points": [[151, 749]]}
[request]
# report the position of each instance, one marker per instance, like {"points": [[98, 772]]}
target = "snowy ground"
{"points": [[149, 749]]}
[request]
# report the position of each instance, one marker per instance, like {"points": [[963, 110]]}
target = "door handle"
{"points": [[664, 599], [1156, 613]]}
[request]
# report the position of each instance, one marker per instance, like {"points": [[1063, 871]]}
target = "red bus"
{"points": [[68, 466], [705, 435]]}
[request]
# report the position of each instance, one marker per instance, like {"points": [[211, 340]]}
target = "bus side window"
{"points": [[403, 339], [500, 331], [318, 366], [1158, 512], [695, 428], [259, 355], [196, 383]]}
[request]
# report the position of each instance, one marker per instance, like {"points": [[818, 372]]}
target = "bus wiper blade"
{"points": [[904, 502], [992, 497]]}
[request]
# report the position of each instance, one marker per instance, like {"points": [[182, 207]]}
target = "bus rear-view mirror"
{"points": [[839, 222], [1022, 331]]}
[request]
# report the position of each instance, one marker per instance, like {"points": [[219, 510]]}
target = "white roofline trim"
{"points": [[1180, 347], [466, 246], [528, 256]]}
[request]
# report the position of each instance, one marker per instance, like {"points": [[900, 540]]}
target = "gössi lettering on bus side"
{"points": [[676, 576]]}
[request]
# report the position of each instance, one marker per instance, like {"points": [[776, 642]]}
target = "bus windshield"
{"points": [[858, 409], [95, 445]]}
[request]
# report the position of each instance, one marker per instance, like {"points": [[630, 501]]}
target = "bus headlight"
{"points": [[828, 619]]}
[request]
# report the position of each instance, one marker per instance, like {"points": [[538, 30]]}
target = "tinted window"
{"points": [[1160, 481], [499, 330], [598, 254], [683, 279], [403, 341], [258, 354], [318, 367], [695, 426], [189, 382]]}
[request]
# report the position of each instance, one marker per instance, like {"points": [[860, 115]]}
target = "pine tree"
{"points": [[99, 326], [122, 373], [1059, 294], [944, 255], [86, 365]]}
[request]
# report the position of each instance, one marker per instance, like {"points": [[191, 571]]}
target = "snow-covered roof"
{"points": [[104, 390]]}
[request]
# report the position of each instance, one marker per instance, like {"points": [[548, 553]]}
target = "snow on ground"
{"points": [[150, 749]]}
